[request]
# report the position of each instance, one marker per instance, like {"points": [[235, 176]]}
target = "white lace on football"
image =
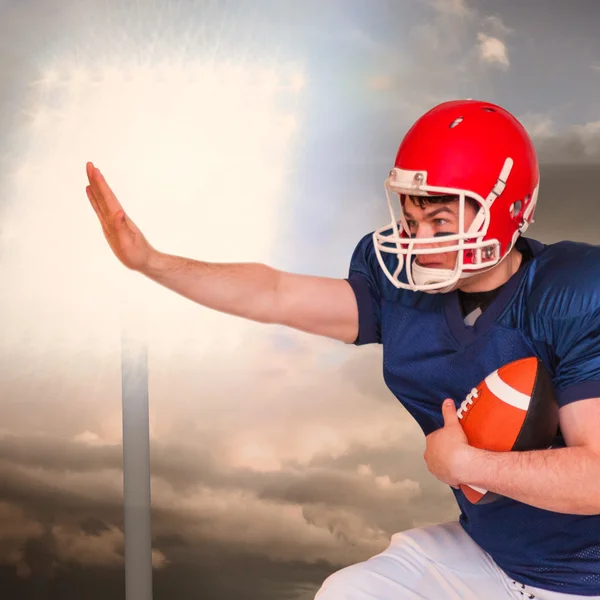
{"points": [[467, 401]]}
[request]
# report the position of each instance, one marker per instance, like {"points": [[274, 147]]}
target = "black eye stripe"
{"points": [[439, 234]]}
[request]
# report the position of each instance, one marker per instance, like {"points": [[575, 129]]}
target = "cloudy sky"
{"points": [[235, 131]]}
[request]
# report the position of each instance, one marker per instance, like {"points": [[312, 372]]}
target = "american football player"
{"points": [[453, 290]]}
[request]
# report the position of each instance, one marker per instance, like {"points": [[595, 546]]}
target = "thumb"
{"points": [[124, 225], [449, 412], [120, 219]]}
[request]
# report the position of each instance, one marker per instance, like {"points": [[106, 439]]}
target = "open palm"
{"points": [[125, 239]]}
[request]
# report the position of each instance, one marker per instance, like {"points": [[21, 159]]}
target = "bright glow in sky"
{"points": [[197, 152]]}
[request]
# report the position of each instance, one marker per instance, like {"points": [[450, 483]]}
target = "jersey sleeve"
{"points": [[577, 349], [365, 281], [566, 305]]}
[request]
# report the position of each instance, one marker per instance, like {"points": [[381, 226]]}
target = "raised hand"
{"points": [[125, 239]]}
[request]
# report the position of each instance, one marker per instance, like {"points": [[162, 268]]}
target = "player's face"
{"points": [[436, 220]]}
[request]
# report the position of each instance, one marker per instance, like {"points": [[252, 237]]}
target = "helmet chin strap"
{"points": [[426, 276]]}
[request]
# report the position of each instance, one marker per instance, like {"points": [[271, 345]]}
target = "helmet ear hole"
{"points": [[456, 122], [516, 209]]}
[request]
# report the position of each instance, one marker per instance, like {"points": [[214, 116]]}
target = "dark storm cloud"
{"points": [[70, 491], [568, 208], [336, 499], [183, 468], [578, 145], [55, 453], [206, 571], [48, 498]]}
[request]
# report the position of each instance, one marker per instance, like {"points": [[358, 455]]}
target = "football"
{"points": [[512, 409]]}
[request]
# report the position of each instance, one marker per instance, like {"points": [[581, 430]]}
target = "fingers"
{"points": [[94, 196], [93, 201], [94, 204], [101, 196]]}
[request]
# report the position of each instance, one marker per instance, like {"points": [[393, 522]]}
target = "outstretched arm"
{"points": [[318, 305]]}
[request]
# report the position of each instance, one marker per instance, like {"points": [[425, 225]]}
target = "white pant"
{"points": [[439, 562]]}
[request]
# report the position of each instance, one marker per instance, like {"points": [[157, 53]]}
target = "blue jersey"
{"points": [[551, 309]]}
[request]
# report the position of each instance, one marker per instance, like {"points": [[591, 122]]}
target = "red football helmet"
{"points": [[468, 149]]}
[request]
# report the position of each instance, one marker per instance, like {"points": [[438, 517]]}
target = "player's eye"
{"points": [[412, 228], [442, 224]]}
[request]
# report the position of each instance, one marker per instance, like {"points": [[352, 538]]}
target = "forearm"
{"points": [[319, 305], [245, 290], [565, 480]]}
